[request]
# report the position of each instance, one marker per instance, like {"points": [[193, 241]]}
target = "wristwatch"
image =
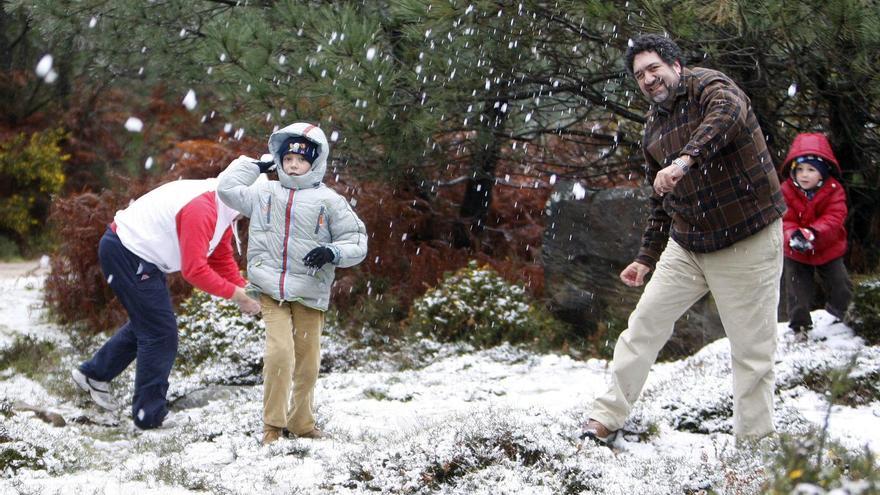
{"points": [[682, 164]]}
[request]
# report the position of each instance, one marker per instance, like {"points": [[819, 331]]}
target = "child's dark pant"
{"points": [[800, 288], [150, 335]]}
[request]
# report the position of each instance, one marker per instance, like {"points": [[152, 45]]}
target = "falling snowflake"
{"points": [[553, 179], [792, 90], [134, 124], [578, 191], [371, 53], [149, 163], [93, 22], [334, 136], [189, 101], [44, 66]]}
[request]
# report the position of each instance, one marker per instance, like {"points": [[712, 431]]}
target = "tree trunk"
{"points": [[5, 42], [478, 192]]}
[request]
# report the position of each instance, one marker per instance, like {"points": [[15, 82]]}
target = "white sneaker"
{"points": [[98, 391]]}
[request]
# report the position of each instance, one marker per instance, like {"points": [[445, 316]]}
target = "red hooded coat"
{"points": [[825, 214]]}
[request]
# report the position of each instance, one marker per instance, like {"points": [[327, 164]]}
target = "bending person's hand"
{"points": [[246, 304], [634, 274]]}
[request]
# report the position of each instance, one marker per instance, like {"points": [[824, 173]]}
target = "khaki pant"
{"points": [[744, 280], [293, 354]]}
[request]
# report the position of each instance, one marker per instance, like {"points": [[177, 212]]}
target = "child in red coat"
{"points": [[815, 236]]}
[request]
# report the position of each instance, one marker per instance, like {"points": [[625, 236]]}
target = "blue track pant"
{"points": [[150, 335]]}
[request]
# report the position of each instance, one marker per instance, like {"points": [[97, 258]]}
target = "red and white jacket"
{"points": [[183, 226]]}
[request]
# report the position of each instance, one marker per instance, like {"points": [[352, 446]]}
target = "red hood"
{"points": [[810, 143]]}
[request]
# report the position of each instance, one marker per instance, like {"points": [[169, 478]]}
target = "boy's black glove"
{"points": [[318, 257], [800, 243], [266, 166], [266, 163]]}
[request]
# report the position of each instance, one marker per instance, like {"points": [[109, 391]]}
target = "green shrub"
{"points": [[219, 345], [214, 332], [17, 455], [29, 356], [812, 463], [31, 171], [9, 249], [798, 462], [477, 306], [864, 312], [375, 319], [861, 389]]}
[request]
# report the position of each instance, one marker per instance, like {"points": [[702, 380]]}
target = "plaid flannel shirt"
{"points": [[731, 191]]}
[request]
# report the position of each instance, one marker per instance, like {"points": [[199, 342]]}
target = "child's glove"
{"points": [[801, 242], [266, 163], [318, 257]]}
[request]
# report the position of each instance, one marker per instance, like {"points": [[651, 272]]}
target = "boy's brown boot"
{"points": [[315, 434], [270, 434]]}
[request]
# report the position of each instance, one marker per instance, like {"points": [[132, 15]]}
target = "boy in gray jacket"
{"points": [[300, 231]]}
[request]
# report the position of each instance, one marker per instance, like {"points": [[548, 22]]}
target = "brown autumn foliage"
{"points": [[410, 240]]}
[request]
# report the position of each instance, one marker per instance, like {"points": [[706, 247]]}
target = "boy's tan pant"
{"points": [[744, 280], [293, 354]]}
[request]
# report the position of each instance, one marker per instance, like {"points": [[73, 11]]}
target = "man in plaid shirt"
{"points": [[717, 195]]}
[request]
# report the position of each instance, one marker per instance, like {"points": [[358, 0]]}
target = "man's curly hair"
{"points": [[668, 51]]}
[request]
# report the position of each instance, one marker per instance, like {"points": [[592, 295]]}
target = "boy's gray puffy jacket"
{"points": [[289, 218]]}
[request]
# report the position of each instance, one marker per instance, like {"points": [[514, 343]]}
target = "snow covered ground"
{"points": [[502, 420]]}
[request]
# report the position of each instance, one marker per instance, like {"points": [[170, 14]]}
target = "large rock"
{"points": [[590, 238]]}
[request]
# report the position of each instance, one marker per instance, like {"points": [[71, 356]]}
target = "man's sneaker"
{"points": [[98, 391], [598, 433]]}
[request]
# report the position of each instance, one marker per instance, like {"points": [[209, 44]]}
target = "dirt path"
{"points": [[21, 268]]}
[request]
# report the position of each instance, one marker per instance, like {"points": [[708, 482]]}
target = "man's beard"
{"points": [[659, 92]]}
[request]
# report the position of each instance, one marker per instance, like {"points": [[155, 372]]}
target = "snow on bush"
{"points": [[477, 306], [214, 334], [812, 464], [501, 451], [220, 345]]}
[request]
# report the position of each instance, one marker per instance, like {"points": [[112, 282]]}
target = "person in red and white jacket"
{"points": [[815, 236], [179, 226]]}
